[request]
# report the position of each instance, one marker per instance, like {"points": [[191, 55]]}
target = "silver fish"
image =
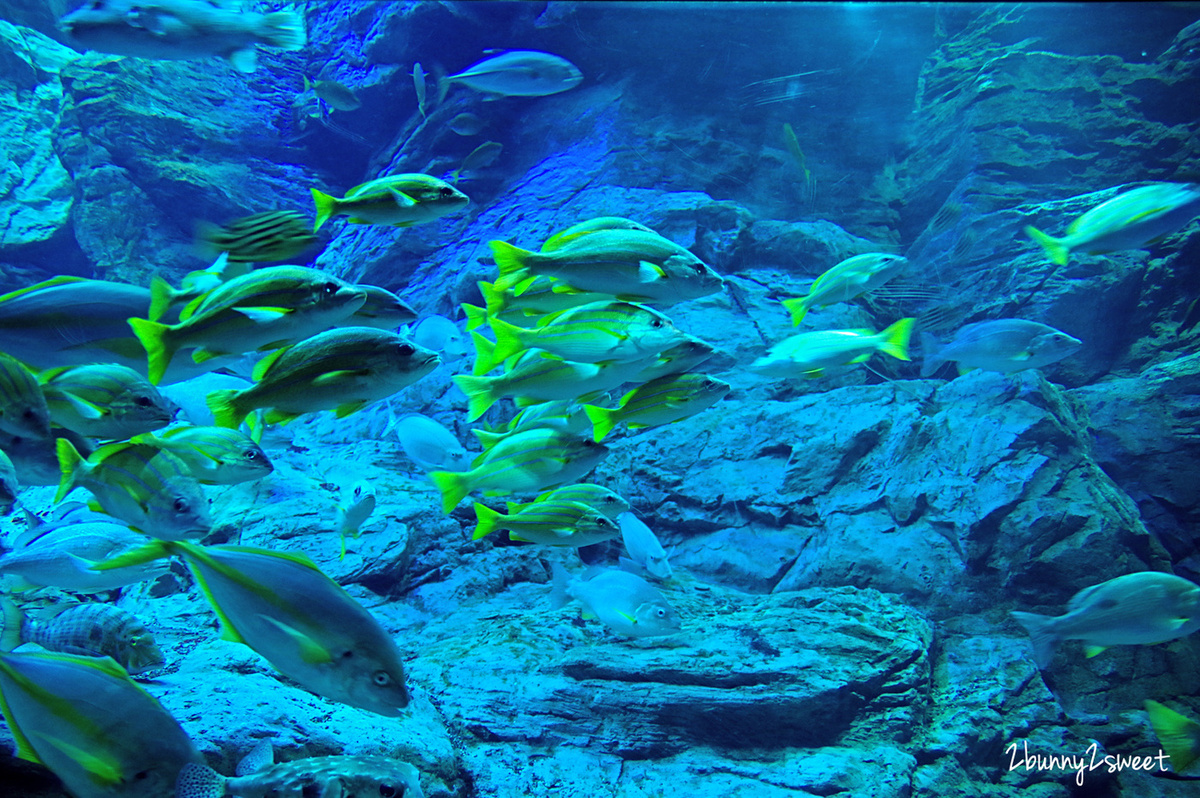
{"points": [[520, 73]]}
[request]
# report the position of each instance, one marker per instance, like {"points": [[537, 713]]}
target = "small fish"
{"points": [[263, 309], [259, 238], [194, 285], [9, 484], [592, 333], [1146, 608], [624, 602], [645, 552], [441, 335], [481, 157], [538, 299], [466, 124], [793, 145], [1131, 220], [665, 400], [151, 490], [106, 400], [632, 265], [89, 630], [87, 721], [851, 278], [182, 29], [336, 95], [382, 310], [1004, 345], [945, 219], [23, 409], [676, 360], [213, 455], [35, 460], [564, 237], [354, 510], [1178, 734], [565, 418], [527, 461], [520, 73], [551, 523], [191, 396], [397, 200], [809, 354], [418, 76], [312, 777], [61, 555], [282, 606], [430, 445], [344, 369], [597, 496]]}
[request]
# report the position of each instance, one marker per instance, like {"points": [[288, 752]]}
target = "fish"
{"points": [[430, 445], [89, 630], [597, 496], [594, 225], [1140, 608], [182, 30], [23, 409], [466, 124], [526, 461], [10, 486], [194, 284], [676, 360], [311, 777], [418, 76], [342, 369], [282, 606], [665, 400], [213, 455], [519, 73], [382, 310], [61, 554], [624, 602], [481, 157], [793, 145], [562, 416], [336, 95], [1004, 345], [538, 299], [1178, 734], [849, 279], [87, 721], [809, 354], [191, 396], [397, 200], [441, 335], [35, 460], [105, 400], [1131, 220], [264, 309], [551, 523], [264, 237], [592, 333], [632, 265], [354, 510], [537, 377], [151, 490], [646, 554]]}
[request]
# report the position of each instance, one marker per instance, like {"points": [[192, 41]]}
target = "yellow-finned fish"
{"points": [[151, 490], [336, 95], [603, 499], [89, 630], [594, 225], [213, 455], [551, 523], [343, 369], [851, 278], [105, 400], [397, 200], [539, 299], [264, 309], [35, 460], [661, 401], [23, 409], [809, 354], [92, 725], [1131, 220], [258, 238], [281, 605], [525, 461]]}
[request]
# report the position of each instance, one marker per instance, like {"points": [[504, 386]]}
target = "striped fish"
{"points": [[606, 501], [661, 401], [382, 310], [105, 400], [9, 485], [36, 459], [214, 455], [260, 238], [23, 409], [89, 630], [151, 490], [552, 523]]}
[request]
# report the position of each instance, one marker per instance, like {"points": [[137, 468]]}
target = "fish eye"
{"points": [[381, 679], [143, 401], [29, 413], [330, 288], [181, 506], [660, 612], [656, 323], [96, 5], [406, 350], [447, 192], [141, 775], [698, 268], [250, 454], [387, 791]]}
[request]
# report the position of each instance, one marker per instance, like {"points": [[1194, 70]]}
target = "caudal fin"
{"points": [[453, 486], [159, 350], [603, 420], [1179, 735], [508, 340], [895, 339], [511, 262], [1041, 633], [326, 206], [486, 521], [479, 393], [931, 360], [69, 463], [283, 29], [1056, 250], [199, 781], [223, 404], [797, 307]]}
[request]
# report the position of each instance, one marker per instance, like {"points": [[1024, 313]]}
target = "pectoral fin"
{"points": [[311, 651], [1091, 651], [649, 272], [403, 200], [105, 771], [263, 315]]}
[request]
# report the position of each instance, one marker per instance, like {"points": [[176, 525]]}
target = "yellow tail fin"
{"points": [[486, 519], [1056, 251], [453, 486], [326, 207], [603, 420], [895, 339], [1179, 735], [158, 349], [479, 394], [224, 408], [511, 262], [797, 307], [508, 341]]}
